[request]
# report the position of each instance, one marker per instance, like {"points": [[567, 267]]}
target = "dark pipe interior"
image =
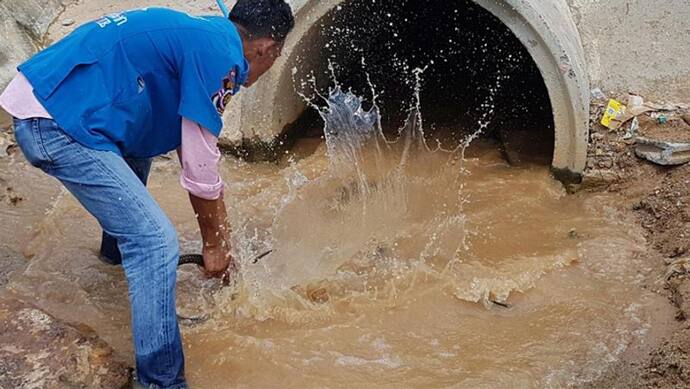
{"points": [[475, 65]]}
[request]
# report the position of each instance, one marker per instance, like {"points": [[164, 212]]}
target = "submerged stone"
{"points": [[39, 351]]}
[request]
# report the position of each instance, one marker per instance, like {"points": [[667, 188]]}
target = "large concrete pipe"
{"points": [[546, 31]]}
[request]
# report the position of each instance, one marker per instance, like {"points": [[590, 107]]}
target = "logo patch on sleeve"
{"points": [[222, 98]]}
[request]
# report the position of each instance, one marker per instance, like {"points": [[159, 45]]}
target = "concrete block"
{"points": [[661, 152]]}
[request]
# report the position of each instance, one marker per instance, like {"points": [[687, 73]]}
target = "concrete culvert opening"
{"points": [[479, 73]]}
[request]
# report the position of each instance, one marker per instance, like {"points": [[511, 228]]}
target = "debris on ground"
{"points": [[686, 118], [612, 160], [635, 100], [13, 197], [597, 94], [613, 110], [616, 115], [662, 152], [659, 196], [669, 366], [664, 212], [664, 142], [7, 143], [677, 266], [632, 131]]}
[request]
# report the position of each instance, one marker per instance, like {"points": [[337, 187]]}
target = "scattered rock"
{"points": [[662, 152], [39, 351], [318, 295], [670, 363], [598, 94], [11, 261], [679, 287], [598, 179], [12, 197], [3, 148], [665, 212], [605, 163], [686, 118], [677, 267], [7, 143]]}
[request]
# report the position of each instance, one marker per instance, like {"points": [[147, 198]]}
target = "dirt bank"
{"points": [[660, 199], [54, 354]]}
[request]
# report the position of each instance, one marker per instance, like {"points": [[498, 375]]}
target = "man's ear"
{"points": [[264, 46]]}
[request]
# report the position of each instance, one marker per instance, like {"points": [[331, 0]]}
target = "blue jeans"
{"points": [[110, 253], [108, 188]]}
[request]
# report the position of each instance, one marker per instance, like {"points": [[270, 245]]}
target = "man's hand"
{"points": [[215, 233], [216, 261]]}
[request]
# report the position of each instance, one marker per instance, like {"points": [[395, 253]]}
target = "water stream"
{"points": [[395, 264]]}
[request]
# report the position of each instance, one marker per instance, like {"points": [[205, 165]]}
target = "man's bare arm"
{"points": [[215, 232]]}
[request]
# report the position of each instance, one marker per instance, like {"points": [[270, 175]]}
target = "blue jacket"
{"points": [[123, 82]]}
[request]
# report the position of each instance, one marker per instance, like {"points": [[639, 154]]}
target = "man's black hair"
{"points": [[264, 18]]}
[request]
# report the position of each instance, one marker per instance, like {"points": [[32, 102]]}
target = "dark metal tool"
{"points": [[191, 259], [198, 260]]}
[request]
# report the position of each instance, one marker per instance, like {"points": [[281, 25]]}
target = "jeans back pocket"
{"points": [[25, 132]]}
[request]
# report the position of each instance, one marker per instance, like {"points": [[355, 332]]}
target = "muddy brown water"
{"points": [[383, 283]]}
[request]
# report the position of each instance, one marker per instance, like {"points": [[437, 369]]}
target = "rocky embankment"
{"points": [[39, 351], [659, 196]]}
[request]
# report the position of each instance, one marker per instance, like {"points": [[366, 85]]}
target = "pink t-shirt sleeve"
{"points": [[19, 101], [199, 156]]}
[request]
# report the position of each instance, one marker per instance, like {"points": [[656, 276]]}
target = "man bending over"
{"points": [[95, 107]]}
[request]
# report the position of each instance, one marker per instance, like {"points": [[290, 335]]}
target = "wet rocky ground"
{"points": [[659, 196], [39, 351]]}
